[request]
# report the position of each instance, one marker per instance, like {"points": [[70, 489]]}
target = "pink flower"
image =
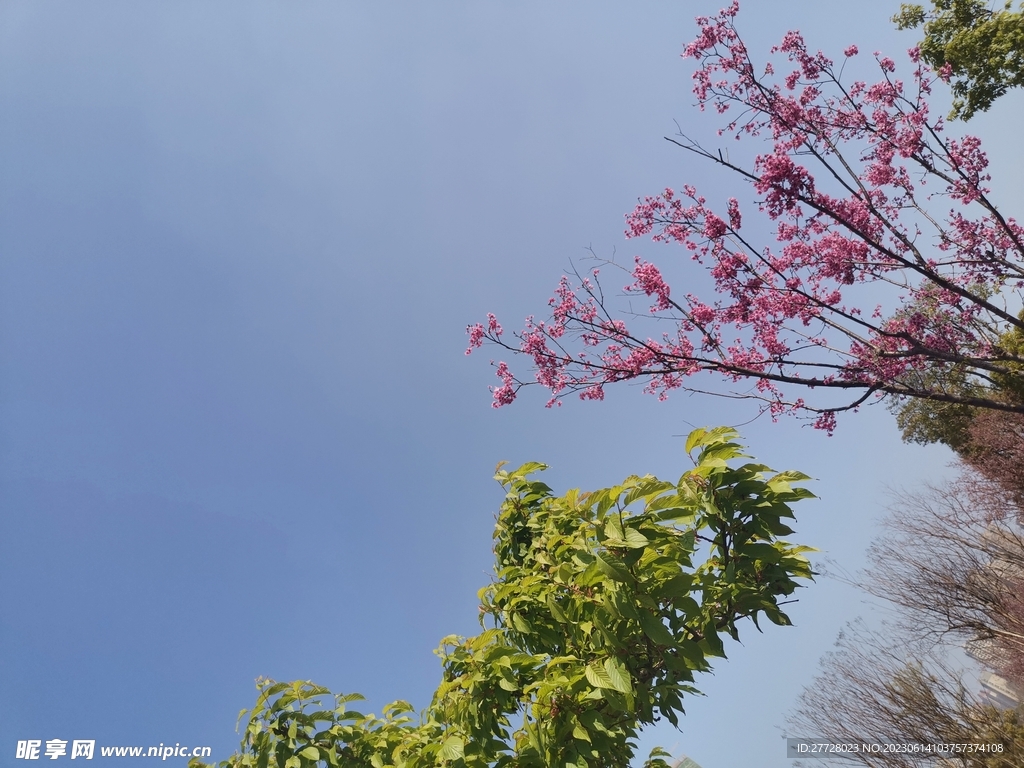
{"points": [[734, 213], [476, 337], [506, 393], [714, 227], [827, 422], [650, 281]]}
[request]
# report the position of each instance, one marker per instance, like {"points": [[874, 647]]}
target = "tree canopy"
{"points": [[978, 48], [604, 608]]}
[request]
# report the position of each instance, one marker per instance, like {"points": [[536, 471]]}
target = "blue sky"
{"points": [[239, 247]]}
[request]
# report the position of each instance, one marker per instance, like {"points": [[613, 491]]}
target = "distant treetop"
{"points": [[978, 49]]}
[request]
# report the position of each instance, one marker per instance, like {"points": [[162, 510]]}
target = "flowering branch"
{"points": [[840, 182]]}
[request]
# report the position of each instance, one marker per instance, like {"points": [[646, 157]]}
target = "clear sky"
{"points": [[240, 243]]}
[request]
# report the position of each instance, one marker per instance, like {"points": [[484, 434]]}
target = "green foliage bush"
{"points": [[596, 623]]}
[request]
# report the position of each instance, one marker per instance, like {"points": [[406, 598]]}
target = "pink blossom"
{"points": [[476, 337], [650, 281], [826, 422], [734, 213], [506, 393], [714, 227]]}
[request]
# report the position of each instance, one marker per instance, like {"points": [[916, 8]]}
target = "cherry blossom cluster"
{"points": [[866, 284]]}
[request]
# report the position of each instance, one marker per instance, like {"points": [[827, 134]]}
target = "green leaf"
{"points": [[613, 530], [622, 604], [655, 629], [686, 605], [618, 675], [761, 551], [634, 539], [611, 567], [680, 515], [350, 697], [712, 643], [777, 617], [397, 707], [677, 586], [528, 469], [695, 438], [701, 437], [793, 476], [452, 749], [646, 487], [598, 677], [310, 753], [556, 610], [604, 499]]}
